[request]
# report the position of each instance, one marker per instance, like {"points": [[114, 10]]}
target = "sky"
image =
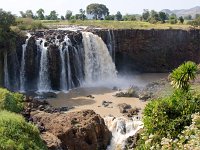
{"points": [[124, 6]]}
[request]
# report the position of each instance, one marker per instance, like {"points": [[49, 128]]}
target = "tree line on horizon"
{"points": [[101, 12]]}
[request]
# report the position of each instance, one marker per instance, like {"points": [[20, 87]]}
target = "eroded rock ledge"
{"points": [[83, 130]]}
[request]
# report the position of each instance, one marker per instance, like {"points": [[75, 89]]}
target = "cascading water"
{"points": [[111, 44], [98, 62], [22, 69], [6, 75], [63, 79], [44, 83], [121, 129]]}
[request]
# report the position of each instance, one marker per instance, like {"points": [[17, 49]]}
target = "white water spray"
{"points": [[44, 82], [6, 75], [98, 62], [22, 69], [121, 129]]}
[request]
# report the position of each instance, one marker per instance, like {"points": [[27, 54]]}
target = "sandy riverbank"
{"points": [[78, 99]]}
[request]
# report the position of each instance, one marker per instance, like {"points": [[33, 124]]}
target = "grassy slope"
{"points": [[103, 24]]}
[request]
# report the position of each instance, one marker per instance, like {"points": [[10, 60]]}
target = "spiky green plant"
{"points": [[181, 77]]}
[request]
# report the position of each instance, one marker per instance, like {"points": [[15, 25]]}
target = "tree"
{"points": [[110, 17], [128, 17], [98, 10], [181, 19], [118, 16], [62, 18], [68, 14], [53, 15], [173, 19], [189, 17], [145, 14], [197, 16], [40, 14], [82, 14], [162, 16], [154, 17], [23, 15], [180, 77], [29, 14], [6, 20]]}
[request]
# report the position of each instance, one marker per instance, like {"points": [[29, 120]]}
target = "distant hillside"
{"points": [[184, 12]]}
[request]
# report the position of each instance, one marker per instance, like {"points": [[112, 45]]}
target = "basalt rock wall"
{"points": [[153, 50]]}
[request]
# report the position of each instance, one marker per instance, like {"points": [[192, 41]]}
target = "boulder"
{"points": [[74, 130]]}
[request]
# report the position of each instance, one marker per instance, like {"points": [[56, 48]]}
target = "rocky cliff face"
{"points": [[83, 130], [154, 50]]}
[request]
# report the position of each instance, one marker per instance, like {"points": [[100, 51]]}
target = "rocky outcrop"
{"points": [[83, 130], [31, 64], [153, 50], [54, 66]]}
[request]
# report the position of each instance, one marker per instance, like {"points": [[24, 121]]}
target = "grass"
{"points": [[28, 23]]}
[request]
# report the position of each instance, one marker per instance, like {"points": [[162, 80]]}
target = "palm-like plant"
{"points": [[180, 77]]}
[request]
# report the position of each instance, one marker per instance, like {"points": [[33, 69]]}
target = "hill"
{"points": [[184, 12]]}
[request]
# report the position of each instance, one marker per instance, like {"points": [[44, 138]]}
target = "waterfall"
{"points": [[44, 83], [6, 75], [63, 78], [98, 62], [111, 43], [121, 129], [22, 69]]}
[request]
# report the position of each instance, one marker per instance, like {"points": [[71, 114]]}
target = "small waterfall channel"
{"points": [[122, 128]]}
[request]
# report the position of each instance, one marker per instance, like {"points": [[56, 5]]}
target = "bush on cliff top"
{"points": [[11, 101], [17, 134]]}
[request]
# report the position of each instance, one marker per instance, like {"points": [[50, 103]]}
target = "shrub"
{"points": [[11, 101], [17, 134], [167, 117], [188, 139]]}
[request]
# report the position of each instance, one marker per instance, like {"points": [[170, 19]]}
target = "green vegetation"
{"points": [[188, 139], [98, 10], [181, 76], [11, 101], [166, 118], [17, 134]]}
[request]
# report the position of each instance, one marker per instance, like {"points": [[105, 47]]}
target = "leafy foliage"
{"points": [[11, 101], [188, 139], [181, 76], [166, 118], [17, 134], [98, 10], [6, 20]]}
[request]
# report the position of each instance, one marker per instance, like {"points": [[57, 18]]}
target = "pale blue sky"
{"points": [[124, 6]]}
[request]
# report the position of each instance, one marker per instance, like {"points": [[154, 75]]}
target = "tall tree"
{"points": [[118, 16], [145, 14], [23, 14], [6, 20], [82, 14], [162, 16], [53, 15], [98, 10], [181, 19], [29, 14], [40, 14], [68, 14]]}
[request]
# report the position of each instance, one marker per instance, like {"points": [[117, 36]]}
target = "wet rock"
{"points": [[133, 111], [131, 92], [106, 103], [123, 107], [90, 96]]}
